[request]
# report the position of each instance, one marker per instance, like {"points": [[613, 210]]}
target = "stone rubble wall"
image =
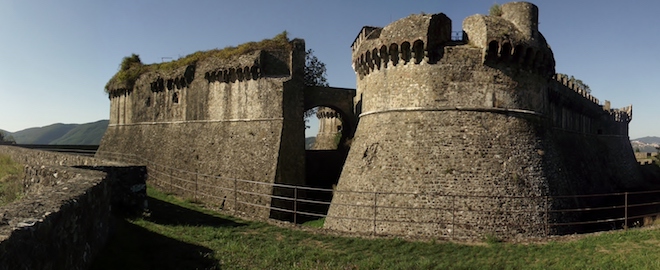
{"points": [[205, 166], [64, 218]]}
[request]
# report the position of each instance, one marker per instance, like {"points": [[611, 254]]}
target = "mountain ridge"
{"points": [[646, 144], [648, 140], [59, 134], [91, 134]]}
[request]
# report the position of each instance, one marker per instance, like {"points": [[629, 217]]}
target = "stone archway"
{"points": [[323, 167], [339, 99]]}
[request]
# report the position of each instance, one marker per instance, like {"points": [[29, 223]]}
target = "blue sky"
{"points": [[56, 56]]}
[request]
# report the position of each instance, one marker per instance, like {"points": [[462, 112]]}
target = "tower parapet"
{"points": [[512, 38], [524, 15], [330, 129], [564, 80]]}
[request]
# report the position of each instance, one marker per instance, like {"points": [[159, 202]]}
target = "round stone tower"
{"points": [[524, 15], [449, 131], [330, 128]]}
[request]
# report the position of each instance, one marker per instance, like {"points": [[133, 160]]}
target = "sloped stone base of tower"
{"points": [[443, 174]]}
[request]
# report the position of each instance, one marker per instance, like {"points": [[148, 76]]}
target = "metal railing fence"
{"points": [[557, 214]]}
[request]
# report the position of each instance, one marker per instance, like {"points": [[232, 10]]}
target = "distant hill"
{"points": [[5, 136], [42, 135], [84, 134], [309, 142], [646, 144], [76, 134], [649, 140]]}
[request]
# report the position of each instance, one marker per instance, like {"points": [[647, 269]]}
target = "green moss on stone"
{"points": [[131, 66]]}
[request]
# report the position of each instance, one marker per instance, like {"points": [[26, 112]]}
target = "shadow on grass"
{"points": [[134, 247], [131, 246], [165, 213]]}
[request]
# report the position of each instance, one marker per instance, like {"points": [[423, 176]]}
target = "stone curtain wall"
{"points": [[176, 151], [590, 142], [213, 122], [62, 222], [37, 157]]}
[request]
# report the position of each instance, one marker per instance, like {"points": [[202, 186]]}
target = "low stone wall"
{"points": [[61, 223], [36, 157], [63, 220]]}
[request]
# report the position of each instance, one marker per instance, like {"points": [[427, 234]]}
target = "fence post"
{"points": [[625, 217], [295, 204], [453, 216], [235, 195], [196, 175], [171, 180], [375, 210], [547, 223]]}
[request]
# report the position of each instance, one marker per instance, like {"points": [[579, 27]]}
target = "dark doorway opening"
{"points": [[324, 161]]}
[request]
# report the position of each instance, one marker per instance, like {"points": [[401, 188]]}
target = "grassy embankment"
{"points": [[182, 235], [11, 175]]}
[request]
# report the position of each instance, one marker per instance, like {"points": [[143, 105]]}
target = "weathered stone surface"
{"points": [[468, 138], [63, 220], [226, 124]]}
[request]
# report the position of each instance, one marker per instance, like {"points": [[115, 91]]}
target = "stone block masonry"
{"points": [[62, 223]]}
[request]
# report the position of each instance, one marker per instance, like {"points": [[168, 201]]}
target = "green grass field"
{"points": [[182, 235]]}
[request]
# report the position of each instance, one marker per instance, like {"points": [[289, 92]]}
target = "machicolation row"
{"points": [[527, 58], [385, 56], [233, 74]]}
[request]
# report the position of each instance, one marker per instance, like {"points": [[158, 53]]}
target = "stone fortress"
{"points": [[470, 126]]}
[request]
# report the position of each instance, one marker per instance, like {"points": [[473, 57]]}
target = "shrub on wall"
{"points": [[131, 67], [495, 10]]}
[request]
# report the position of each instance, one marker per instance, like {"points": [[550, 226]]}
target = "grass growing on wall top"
{"points": [[132, 67], [181, 235], [11, 176]]}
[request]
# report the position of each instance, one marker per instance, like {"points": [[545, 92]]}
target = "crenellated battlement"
{"points": [[508, 40], [363, 35], [564, 80], [622, 115]]}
